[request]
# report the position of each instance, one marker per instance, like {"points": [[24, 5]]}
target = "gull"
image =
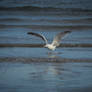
{"points": [[55, 42]]}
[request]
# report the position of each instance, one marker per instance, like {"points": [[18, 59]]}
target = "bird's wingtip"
{"points": [[28, 32], [67, 31]]}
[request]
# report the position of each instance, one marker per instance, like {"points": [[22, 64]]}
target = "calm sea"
{"points": [[17, 17]]}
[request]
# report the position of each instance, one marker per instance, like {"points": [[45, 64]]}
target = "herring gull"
{"points": [[55, 42]]}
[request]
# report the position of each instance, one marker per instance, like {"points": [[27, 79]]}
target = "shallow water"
{"points": [[21, 37], [27, 52], [44, 16], [48, 17], [45, 76]]}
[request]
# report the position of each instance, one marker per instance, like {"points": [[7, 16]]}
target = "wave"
{"points": [[49, 27], [41, 45], [43, 59], [36, 8]]}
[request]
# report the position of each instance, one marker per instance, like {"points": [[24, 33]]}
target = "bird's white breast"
{"points": [[51, 47]]}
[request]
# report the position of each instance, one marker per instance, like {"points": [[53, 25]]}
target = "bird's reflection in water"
{"points": [[53, 54], [47, 71]]}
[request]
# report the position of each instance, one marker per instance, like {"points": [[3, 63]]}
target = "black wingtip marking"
{"points": [[36, 34], [67, 31], [30, 33]]}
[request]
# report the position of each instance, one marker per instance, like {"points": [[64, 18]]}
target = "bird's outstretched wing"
{"points": [[58, 37], [38, 35]]}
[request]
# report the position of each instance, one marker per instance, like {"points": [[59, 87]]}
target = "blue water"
{"points": [[80, 4], [43, 77], [48, 17], [17, 17], [27, 52]]}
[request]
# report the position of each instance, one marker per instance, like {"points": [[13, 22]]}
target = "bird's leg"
{"points": [[50, 52], [55, 52]]}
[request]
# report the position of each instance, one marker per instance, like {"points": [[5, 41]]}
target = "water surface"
{"points": [[45, 76], [48, 17]]}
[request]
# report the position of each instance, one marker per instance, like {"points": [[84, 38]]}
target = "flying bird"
{"points": [[55, 42]]}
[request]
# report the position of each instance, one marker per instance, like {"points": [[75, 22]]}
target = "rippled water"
{"points": [[17, 17], [27, 52], [43, 77], [48, 17]]}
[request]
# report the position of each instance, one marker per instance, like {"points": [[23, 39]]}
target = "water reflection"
{"points": [[53, 54], [45, 76]]}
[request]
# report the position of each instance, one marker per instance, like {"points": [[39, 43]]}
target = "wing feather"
{"points": [[58, 37], [38, 35]]}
